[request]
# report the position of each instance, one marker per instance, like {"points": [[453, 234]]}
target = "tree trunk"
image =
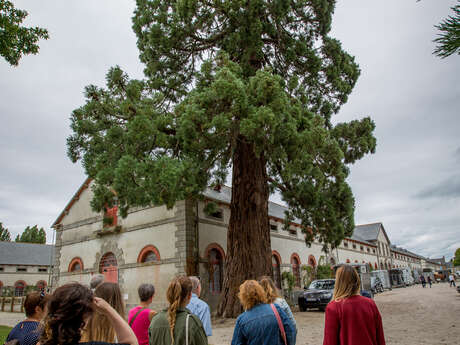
{"points": [[248, 237]]}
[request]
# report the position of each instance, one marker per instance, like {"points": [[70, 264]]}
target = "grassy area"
{"points": [[4, 330]]}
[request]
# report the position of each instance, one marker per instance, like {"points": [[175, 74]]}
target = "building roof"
{"points": [[370, 232], [13, 253], [404, 252]]}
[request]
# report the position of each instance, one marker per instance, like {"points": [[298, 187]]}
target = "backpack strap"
{"points": [[134, 317], [280, 324], [186, 329]]}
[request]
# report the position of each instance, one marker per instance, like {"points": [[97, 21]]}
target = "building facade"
{"points": [[153, 244], [24, 266]]}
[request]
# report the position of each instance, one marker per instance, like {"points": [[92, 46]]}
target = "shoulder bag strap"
{"points": [[280, 324], [186, 329], [134, 317]]}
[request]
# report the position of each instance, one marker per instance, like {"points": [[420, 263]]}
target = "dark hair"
{"points": [[145, 291], [33, 300], [68, 308]]}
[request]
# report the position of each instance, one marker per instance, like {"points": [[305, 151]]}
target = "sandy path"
{"points": [[411, 316]]}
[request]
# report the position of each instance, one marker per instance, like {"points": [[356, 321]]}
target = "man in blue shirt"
{"points": [[198, 307]]}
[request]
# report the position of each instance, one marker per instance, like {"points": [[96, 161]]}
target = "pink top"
{"points": [[140, 325]]}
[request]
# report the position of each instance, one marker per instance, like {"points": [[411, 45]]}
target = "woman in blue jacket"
{"points": [[259, 325]]}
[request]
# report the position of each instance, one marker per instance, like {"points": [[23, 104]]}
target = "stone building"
{"points": [[24, 265], [153, 244]]}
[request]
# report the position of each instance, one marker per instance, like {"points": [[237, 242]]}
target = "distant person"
{"points": [[170, 326], [423, 281], [199, 307], [451, 280], [429, 281], [95, 281], [261, 323], [351, 319], [273, 296], [99, 326], [70, 307], [27, 331], [139, 317]]}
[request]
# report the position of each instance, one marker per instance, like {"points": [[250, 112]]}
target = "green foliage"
{"points": [[4, 234], [218, 73], [310, 274], [448, 42], [16, 40], [457, 257], [4, 331], [210, 208], [323, 272], [32, 235], [289, 278]]}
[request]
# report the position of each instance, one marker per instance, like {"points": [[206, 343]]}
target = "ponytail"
{"points": [[178, 290]]}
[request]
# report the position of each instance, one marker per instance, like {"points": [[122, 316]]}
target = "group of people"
{"points": [[92, 315]]}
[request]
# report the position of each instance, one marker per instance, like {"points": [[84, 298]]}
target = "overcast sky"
{"points": [[411, 184]]}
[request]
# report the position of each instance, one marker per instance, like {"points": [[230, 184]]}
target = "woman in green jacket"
{"points": [[176, 325]]}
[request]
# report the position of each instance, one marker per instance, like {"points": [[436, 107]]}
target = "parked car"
{"points": [[458, 288], [317, 295]]}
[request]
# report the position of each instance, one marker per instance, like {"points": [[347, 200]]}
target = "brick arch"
{"points": [[295, 255], [16, 284], [215, 246], [348, 261], [73, 262], [376, 266], [277, 255], [144, 252], [312, 260], [295, 264]]}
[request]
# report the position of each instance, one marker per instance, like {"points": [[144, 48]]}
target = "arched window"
{"points": [[76, 265], [19, 287], [276, 264], [311, 261], [375, 266], [348, 261], [1, 288], [148, 254], [332, 261], [216, 265], [295, 263], [41, 285], [109, 267], [356, 261]]}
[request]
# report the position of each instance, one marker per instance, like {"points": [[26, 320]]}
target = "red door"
{"points": [[109, 268]]}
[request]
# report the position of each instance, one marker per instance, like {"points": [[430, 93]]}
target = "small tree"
{"points": [[5, 235], [16, 40], [32, 235], [457, 257]]}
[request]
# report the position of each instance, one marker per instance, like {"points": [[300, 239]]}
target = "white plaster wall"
{"points": [[9, 278], [356, 255], [81, 209]]}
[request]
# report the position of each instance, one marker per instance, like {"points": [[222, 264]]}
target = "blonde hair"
{"points": [[251, 294], [347, 282], [270, 289], [99, 327], [178, 291]]}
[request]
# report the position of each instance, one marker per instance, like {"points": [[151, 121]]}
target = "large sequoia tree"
{"points": [[247, 85]]}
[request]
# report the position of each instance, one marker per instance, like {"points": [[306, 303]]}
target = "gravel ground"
{"points": [[411, 316]]}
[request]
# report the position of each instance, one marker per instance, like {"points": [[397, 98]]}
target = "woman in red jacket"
{"points": [[351, 319]]}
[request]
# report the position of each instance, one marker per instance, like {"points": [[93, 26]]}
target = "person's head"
{"points": [[96, 280], [68, 309], [196, 285], [99, 327], [35, 303], [269, 287], [251, 294], [178, 295], [347, 282], [146, 292]]}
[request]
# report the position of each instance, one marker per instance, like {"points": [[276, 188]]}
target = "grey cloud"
{"points": [[449, 188]]}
